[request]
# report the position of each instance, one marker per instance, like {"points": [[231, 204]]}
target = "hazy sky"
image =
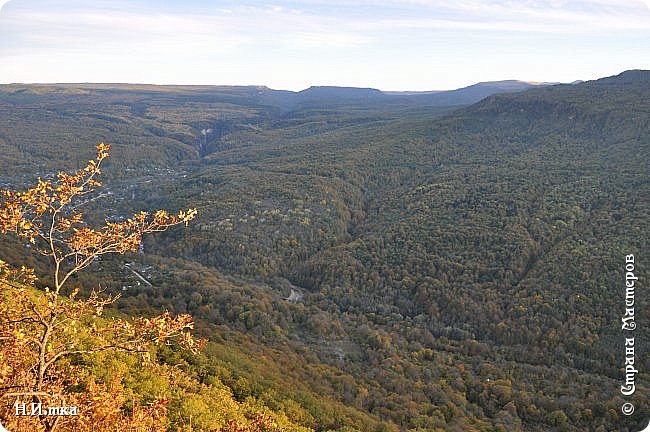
{"points": [[386, 44]]}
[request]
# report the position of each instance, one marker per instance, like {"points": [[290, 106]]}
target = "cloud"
{"points": [[283, 40], [2, 3], [146, 25], [78, 27], [556, 14]]}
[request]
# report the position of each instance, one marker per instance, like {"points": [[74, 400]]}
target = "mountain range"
{"points": [[367, 260]]}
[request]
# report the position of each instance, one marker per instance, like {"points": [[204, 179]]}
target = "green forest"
{"points": [[363, 263]]}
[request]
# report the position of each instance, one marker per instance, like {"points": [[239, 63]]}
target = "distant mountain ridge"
{"points": [[437, 98], [314, 95], [166, 119], [476, 92]]}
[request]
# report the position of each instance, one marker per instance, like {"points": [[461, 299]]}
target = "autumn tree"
{"points": [[42, 332]]}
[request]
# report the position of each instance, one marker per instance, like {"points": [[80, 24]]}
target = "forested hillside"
{"points": [[360, 263]]}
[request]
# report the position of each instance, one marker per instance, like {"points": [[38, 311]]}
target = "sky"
{"points": [[384, 44]]}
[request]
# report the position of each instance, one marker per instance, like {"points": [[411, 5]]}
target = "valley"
{"points": [[371, 261]]}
